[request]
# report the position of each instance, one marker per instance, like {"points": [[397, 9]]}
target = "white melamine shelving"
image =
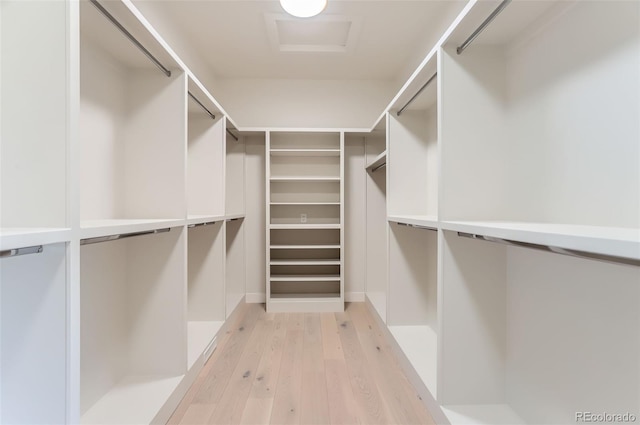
{"points": [[132, 126], [204, 219], [520, 328], [205, 288], [133, 332], [377, 161], [33, 305], [420, 345], [235, 280], [430, 221], [97, 228], [205, 156], [33, 151], [17, 237], [521, 139], [305, 218], [234, 175]]}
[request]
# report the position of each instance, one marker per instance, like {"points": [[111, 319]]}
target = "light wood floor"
{"points": [[302, 369]]}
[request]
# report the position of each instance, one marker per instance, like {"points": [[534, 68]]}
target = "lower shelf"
{"points": [[305, 303], [135, 400], [489, 414], [200, 335], [379, 302], [420, 345]]}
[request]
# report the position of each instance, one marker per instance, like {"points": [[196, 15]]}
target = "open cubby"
{"points": [[412, 315], [305, 192], [535, 337], [33, 327], [132, 130], [205, 163], [298, 214], [132, 309], [206, 287], [522, 133], [235, 280], [305, 166], [34, 80], [305, 140], [234, 175]]}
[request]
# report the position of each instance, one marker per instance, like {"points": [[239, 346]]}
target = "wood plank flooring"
{"points": [[312, 368]]}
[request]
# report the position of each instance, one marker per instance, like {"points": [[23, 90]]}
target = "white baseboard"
{"points": [[260, 297]]}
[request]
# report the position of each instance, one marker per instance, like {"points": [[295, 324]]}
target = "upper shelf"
{"points": [[428, 221], [304, 179], [19, 237], [377, 162], [610, 241], [305, 152], [108, 227]]}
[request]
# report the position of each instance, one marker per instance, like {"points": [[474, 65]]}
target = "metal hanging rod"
{"points": [[433, 229], [373, 170], [424, 86], [556, 250], [131, 38], [21, 251], [191, 226], [232, 135], [482, 26], [213, 117], [100, 239]]}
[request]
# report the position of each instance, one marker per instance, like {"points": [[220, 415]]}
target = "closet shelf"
{"points": [[304, 179], [305, 296], [20, 237], [200, 334], [304, 226], [305, 203], [305, 262], [482, 414], [97, 228], [199, 219], [135, 399], [306, 278], [377, 161], [611, 241], [305, 246], [430, 221], [236, 216], [420, 345], [305, 152]]}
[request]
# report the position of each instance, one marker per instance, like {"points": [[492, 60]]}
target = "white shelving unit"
{"points": [[377, 283], [132, 128], [305, 218], [235, 264], [206, 287], [132, 310]]}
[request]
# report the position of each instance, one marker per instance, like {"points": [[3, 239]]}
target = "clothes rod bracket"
{"points": [[109, 238], [195, 99], [482, 26], [433, 229], [373, 170], [232, 135], [424, 86], [555, 249], [131, 38], [21, 251]]}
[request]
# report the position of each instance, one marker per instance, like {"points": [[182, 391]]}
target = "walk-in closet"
{"points": [[425, 210]]}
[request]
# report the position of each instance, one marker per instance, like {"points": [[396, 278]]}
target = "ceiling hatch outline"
{"points": [[321, 34]]}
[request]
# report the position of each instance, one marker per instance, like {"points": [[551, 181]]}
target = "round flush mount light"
{"points": [[303, 8]]}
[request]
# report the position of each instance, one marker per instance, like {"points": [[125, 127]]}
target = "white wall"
{"points": [[303, 103]]}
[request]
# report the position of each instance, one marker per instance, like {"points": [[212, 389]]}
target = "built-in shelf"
{"points": [[305, 152], [97, 228], [305, 278], [377, 161], [305, 246], [134, 400], [199, 219], [234, 216], [305, 203], [304, 226], [305, 262], [200, 335], [612, 241], [416, 220], [482, 414], [20, 237], [420, 345], [304, 179], [305, 296]]}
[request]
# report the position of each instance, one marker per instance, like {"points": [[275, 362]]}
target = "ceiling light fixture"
{"points": [[303, 8]]}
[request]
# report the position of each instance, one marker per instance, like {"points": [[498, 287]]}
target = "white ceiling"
{"points": [[363, 39]]}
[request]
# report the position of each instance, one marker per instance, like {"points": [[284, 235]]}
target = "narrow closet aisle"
{"points": [[302, 368]]}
